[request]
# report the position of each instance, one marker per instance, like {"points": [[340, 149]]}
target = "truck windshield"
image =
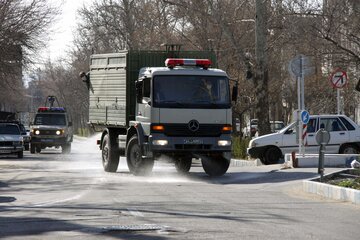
{"points": [[50, 119], [189, 91]]}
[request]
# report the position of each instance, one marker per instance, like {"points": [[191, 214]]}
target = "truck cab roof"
{"points": [[152, 71]]}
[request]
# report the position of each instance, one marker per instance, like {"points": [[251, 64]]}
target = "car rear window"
{"points": [[9, 129], [347, 124]]}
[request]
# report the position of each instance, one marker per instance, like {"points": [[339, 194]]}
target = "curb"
{"points": [[331, 191]]}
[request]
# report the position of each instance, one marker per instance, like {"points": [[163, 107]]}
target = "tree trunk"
{"points": [[261, 72]]}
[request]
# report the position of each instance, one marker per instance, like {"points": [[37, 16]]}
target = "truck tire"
{"points": [[216, 165], [137, 165], [66, 148], [272, 155], [183, 164], [110, 155], [32, 148], [20, 154]]}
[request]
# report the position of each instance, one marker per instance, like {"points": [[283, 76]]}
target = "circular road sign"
{"points": [[338, 78], [322, 136], [305, 117]]}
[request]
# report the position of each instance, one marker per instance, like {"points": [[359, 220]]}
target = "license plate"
{"points": [[193, 141], [47, 140], [5, 151]]}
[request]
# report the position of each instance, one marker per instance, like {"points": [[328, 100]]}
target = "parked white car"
{"points": [[11, 141], [344, 138]]}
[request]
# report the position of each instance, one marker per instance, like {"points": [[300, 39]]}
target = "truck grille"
{"points": [[6, 144], [205, 130], [192, 146]]}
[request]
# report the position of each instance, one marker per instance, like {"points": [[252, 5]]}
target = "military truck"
{"points": [[148, 106], [51, 128]]}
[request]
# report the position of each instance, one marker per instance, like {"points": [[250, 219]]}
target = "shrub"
{"points": [[239, 146]]}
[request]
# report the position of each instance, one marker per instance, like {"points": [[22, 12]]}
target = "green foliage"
{"points": [[350, 183], [239, 146], [83, 132]]}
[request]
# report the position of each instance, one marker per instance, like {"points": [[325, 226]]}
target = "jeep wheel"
{"points": [[66, 148], [272, 155], [216, 165], [183, 164], [136, 163], [110, 155], [38, 149], [20, 154], [32, 148]]}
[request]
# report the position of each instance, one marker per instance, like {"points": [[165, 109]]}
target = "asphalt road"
{"points": [[55, 196]]}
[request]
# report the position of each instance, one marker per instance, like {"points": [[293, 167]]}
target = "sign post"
{"points": [[305, 117], [322, 138], [338, 80], [300, 66]]}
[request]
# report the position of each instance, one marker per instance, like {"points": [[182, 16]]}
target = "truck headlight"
{"points": [[160, 142], [224, 143], [37, 132]]}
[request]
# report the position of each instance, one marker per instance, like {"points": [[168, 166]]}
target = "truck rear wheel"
{"points": [[110, 155], [137, 165], [183, 164], [215, 165]]}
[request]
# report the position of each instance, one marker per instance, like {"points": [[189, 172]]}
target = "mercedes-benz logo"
{"points": [[193, 125]]}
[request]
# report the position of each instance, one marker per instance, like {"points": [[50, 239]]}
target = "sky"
{"points": [[61, 39]]}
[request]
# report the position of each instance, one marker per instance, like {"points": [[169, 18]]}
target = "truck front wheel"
{"points": [[183, 164], [110, 155], [136, 163], [216, 165]]}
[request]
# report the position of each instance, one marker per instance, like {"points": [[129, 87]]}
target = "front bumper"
{"points": [[191, 144], [11, 149], [256, 152], [48, 141]]}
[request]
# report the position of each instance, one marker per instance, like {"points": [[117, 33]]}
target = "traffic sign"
{"points": [[338, 78], [322, 136], [305, 117]]}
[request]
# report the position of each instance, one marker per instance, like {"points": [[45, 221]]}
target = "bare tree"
{"points": [[22, 28]]}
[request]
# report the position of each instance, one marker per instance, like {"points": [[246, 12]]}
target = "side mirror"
{"points": [[85, 77], [234, 93], [357, 87], [139, 95]]}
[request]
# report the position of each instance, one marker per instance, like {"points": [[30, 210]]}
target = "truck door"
{"points": [[143, 113]]}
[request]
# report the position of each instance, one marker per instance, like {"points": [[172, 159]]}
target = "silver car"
{"points": [[11, 141]]}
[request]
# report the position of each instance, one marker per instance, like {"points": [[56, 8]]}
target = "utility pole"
{"points": [[261, 71]]}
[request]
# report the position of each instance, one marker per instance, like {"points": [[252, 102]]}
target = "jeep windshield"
{"points": [[50, 119], [189, 91]]}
